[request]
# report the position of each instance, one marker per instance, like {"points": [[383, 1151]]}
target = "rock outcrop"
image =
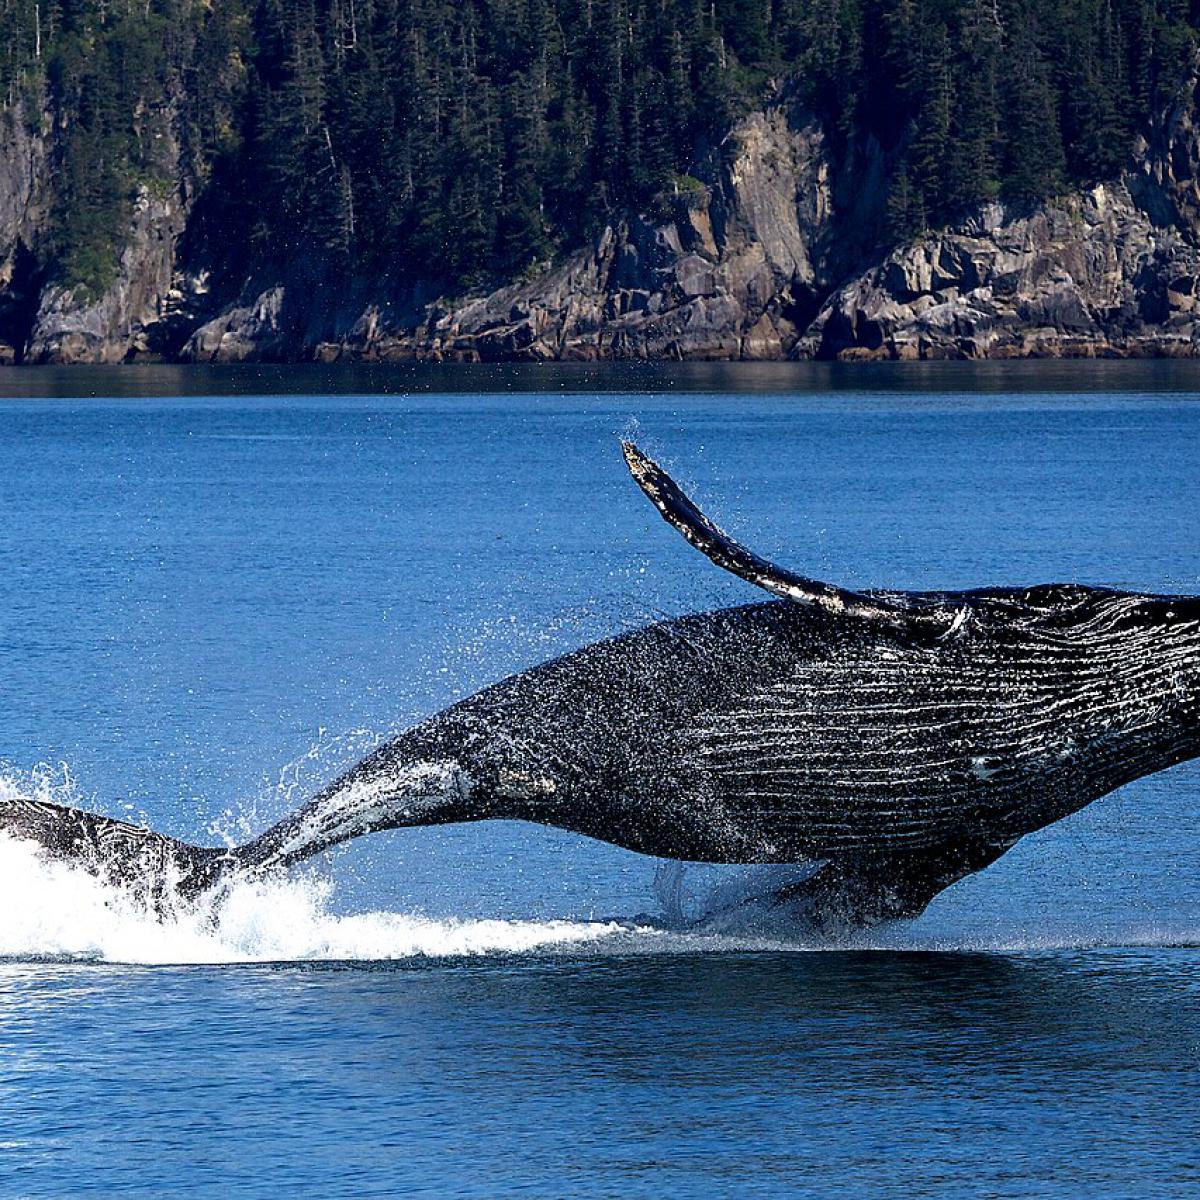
{"points": [[133, 316], [24, 199], [732, 265], [148, 307], [1112, 271], [772, 250], [1091, 275]]}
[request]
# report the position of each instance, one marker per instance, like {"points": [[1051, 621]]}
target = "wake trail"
{"points": [[54, 910]]}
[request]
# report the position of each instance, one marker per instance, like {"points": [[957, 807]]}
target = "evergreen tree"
{"points": [[459, 143], [973, 166], [1034, 164]]}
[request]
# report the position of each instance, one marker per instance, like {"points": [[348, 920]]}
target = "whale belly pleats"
{"points": [[903, 751]]}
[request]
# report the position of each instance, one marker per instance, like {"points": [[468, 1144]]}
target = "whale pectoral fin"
{"points": [[869, 890], [679, 510]]}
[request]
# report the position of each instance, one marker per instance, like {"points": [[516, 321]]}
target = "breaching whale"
{"points": [[896, 741]]}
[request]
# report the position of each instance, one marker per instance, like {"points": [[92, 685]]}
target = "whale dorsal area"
{"points": [[679, 510]]}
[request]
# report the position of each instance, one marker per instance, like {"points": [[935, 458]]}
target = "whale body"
{"points": [[894, 741]]}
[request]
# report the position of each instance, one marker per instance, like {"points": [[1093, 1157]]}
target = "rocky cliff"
{"points": [[1111, 271], [145, 308], [771, 250], [135, 315], [24, 197], [731, 264]]}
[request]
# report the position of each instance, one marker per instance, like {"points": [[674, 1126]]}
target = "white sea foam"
{"points": [[53, 910]]}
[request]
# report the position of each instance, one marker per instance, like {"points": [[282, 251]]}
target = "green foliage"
{"points": [[461, 142], [1014, 98], [119, 84]]}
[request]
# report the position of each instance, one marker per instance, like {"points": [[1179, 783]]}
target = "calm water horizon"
{"points": [[220, 586], [157, 381]]}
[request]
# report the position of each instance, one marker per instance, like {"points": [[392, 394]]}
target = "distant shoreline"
{"points": [[183, 380]]}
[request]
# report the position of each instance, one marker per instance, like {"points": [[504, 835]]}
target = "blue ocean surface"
{"points": [[219, 588]]}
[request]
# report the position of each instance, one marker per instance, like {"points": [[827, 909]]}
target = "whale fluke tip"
{"points": [[155, 866], [635, 460]]}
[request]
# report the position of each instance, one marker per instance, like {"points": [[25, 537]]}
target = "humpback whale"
{"points": [[894, 741]]}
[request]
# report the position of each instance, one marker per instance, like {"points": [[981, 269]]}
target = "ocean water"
{"points": [[219, 588]]}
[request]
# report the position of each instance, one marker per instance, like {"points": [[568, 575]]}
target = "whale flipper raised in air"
{"points": [[899, 740], [680, 511]]}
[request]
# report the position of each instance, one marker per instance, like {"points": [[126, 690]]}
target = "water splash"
{"points": [[53, 910], [293, 784]]}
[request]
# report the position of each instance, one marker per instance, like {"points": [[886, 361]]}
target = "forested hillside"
{"points": [[463, 142]]}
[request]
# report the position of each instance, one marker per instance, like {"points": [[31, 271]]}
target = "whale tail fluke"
{"points": [[378, 794], [155, 867]]}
